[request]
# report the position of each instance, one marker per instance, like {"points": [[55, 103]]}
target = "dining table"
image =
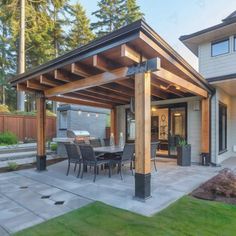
{"points": [[109, 149]]}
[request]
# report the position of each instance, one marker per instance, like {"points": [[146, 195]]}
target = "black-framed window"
{"points": [[222, 127], [220, 47]]}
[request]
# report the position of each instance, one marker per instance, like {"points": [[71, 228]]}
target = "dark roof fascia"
{"points": [[225, 23], [166, 47], [221, 78], [116, 38]]}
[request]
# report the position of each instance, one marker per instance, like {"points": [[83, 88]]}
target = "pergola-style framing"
{"points": [[133, 62]]}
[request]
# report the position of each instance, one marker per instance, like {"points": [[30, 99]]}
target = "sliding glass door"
{"points": [[177, 128]]}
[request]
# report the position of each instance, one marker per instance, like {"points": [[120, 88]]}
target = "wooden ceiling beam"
{"points": [[164, 86], [91, 96], [103, 63], [23, 88], [191, 75], [61, 76], [119, 89], [129, 53], [111, 94], [79, 69], [105, 96], [159, 93], [127, 83], [171, 78], [92, 81], [76, 101], [45, 81], [36, 86]]}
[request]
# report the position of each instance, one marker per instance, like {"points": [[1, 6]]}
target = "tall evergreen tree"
{"points": [[132, 12], [7, 60], [80, 33], [109, 16]]}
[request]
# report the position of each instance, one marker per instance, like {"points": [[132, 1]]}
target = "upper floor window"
{"points": [[220, 47]]}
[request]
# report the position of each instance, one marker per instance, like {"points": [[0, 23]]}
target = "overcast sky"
{"points": [[173, 18]]}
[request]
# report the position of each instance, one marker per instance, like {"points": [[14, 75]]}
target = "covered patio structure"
{"points": [[132, 63]]}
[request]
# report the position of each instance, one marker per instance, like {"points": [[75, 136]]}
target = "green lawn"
{"points": [[188, 216]]}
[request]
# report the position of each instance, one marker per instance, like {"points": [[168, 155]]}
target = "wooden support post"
{"points": [[205, 135], [142, 135], [41, 132], [113, 124]]}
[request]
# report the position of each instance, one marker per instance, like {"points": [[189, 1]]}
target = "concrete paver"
{"points": [[28, 197]]}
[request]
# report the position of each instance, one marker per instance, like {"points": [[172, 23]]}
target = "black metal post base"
{"points": [[142, 186], [41, 163]]}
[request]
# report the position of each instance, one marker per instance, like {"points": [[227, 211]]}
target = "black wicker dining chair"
{"points": [[126, 157], [90, 159], [73, 157], [95, 143], [154, 147]]}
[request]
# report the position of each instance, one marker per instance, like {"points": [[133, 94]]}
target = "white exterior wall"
{"points": [[193, 123], [230, 102], [219, 65]]}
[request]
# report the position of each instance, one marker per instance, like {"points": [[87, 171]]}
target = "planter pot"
{"points": [[184, 155]]}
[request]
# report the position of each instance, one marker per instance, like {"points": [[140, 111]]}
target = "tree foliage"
{"points": [[80, 33], [114, 14]]}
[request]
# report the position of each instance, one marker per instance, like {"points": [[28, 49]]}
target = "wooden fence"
{"points": [[24, 127]]}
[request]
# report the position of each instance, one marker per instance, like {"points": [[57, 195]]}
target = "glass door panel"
{"points": [[177, 128]]}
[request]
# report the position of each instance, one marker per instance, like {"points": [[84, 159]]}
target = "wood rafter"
{"points": [[128, 53], [95, 97], [164, 86], [36, 86], [108, 93], [169, 58], [79, 69], [119, 89], [45, 81], [169, 77], [69, 100], [92, 81], [61, 76], [23, 88], [102, 63]]}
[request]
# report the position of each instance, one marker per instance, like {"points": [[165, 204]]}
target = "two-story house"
{"points": [[215, 48]]}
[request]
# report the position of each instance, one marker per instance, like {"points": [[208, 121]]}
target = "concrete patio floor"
{"points": [[28, 197]]}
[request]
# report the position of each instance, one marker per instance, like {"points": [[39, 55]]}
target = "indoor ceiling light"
{"points": [[177, 114]]}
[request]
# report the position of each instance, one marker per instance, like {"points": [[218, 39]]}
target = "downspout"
{"points": [[210, 136]]}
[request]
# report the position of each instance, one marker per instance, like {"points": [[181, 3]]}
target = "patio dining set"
{"points": [[97, 154]]}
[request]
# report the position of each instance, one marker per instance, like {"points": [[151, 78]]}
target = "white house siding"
{"points": [[216, 66], [194, 122], [230, 101]]}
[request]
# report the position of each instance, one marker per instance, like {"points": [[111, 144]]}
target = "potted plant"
{"points": [[183, 153]]}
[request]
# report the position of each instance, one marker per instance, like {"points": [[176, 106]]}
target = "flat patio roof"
{"points": [[96, 74]]}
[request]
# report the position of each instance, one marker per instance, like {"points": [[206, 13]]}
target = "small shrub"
{"points": [[8, 138], [4, 109], [53, 146], [12, 166], [24, 113]]}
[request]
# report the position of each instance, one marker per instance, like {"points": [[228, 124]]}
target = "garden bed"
{"points": [[220, 188], [31, 165]]}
